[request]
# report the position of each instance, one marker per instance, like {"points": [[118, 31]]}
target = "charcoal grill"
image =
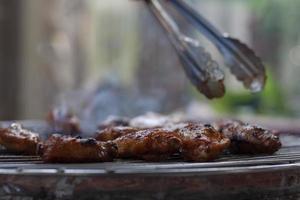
{"points": [[230, 177]]}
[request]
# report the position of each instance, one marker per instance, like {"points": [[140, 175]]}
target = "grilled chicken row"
{"points": [[193, 141]]}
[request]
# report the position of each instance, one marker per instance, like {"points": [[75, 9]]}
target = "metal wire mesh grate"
{"points": [[33, 164]]}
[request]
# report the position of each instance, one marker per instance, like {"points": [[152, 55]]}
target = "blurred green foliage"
{"points": [[270, 101], [279, 15]]}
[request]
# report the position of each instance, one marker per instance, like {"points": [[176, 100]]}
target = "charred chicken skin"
{"points": [[195, 142], [65, 149], [200, 142], [249, 139], [19, 140], [112, 133], [151, 144]]}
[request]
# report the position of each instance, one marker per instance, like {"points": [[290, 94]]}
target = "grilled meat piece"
{"points": [[248, 139], [150, 144], [65, 149], [113, 121], [200, 142], [112, 133], [19, 140], [63, 121], [194, 141]]}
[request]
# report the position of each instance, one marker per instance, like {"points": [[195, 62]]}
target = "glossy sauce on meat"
{"points": [[150, 144], [195, 142], [64, 149], [200, 142], [19, 140], [249, 139]]}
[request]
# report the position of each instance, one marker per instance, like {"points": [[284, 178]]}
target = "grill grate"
{"points": [[287, 156], [18, 159], [230, 177]]}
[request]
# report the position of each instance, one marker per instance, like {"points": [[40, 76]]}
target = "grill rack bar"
{"points": [[286, 156]]}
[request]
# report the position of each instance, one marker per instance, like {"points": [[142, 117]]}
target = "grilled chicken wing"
{"points": [[112, 133], [150, 144], [65, 149], [248, 139], [19, 140], [200, 142]]}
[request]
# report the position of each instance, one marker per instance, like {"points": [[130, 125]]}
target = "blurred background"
{"points": [[110, 57]]}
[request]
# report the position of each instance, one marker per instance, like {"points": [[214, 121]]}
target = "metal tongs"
{"points": [[199, 66]]}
